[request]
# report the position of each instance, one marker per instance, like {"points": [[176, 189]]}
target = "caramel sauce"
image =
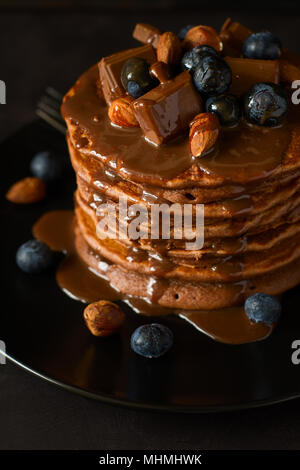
{"points": [[244, 153], [247, 152], [229, 325], [76, 279]]}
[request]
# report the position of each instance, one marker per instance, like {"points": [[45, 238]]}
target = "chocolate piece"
{"points": [[165, 111], [289, 67], [160, 71], [146, 34], [233, 35], [247, 72], [110, 70]]}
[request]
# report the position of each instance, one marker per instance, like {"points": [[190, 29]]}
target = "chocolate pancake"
{"points": [[243, 155], [177, 294], [208, 268], [109, 186], [249, 184]]}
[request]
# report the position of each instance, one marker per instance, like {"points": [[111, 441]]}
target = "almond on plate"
{"points": [[27, 191]]}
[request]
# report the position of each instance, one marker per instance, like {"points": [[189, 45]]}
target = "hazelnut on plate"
{"points": [[103, 318]]}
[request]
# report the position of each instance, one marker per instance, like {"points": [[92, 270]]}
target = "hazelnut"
{"points": [[103, 318], [203, 35]]}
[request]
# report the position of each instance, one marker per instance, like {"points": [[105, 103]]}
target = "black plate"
{"points": [[44, 331]]}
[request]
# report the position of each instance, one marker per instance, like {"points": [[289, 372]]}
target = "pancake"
{"points": [[188, 295], [259, 153], [249, 185], [250, 203], [208, 268]]}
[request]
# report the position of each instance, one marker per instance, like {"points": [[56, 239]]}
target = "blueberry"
{"points": [[187, 61], [263, 308], [212, 76], [263, 45], [192, 58], [34, 257], [136, 78], [183, 31], [47, 166], [134, 89], [151, 340], [265, 104], [226, 107]]}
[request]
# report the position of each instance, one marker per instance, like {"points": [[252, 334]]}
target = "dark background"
{"points": [[50, 43]]}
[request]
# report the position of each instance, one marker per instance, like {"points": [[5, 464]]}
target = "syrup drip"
{"points": [[229, 325], [73, 275], [243, 154]]}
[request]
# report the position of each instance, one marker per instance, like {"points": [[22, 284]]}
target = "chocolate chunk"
{"points": [[146, 34], [247, 72], [233, 35], [289, 67], [166, 111], [160, 71], [110, 70]]}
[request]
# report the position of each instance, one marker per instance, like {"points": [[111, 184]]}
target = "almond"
{"points": [[203, 36], [103, 318], [204, 132], [27, 191], [121, 112], [169, 49]]}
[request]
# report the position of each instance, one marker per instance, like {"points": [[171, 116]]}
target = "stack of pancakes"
{"points": [[249, 185]]}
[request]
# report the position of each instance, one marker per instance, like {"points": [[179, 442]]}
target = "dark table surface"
{"points": [[41, 48]]}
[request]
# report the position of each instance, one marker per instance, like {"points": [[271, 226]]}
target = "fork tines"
{"points": [[48, 108]]}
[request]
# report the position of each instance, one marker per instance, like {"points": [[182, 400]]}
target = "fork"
{"points": [[48, 109]]}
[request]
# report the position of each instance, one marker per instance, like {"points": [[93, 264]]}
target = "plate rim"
{"points": [[125, 402], [183, 409]]}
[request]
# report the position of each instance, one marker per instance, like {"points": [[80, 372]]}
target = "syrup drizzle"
{"points": [[76, 279], [245, 153]]}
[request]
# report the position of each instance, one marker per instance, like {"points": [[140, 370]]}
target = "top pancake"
{"points": [[242, 156]]}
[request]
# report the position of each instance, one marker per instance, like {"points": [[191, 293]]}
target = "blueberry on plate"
{"points": [[212, 76], [151, 340], [263, 45], [262, 308], [226, 107], [47, 166], [193, 57], [136, 78], [184, 30], [34, 257], [265, 104]]}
